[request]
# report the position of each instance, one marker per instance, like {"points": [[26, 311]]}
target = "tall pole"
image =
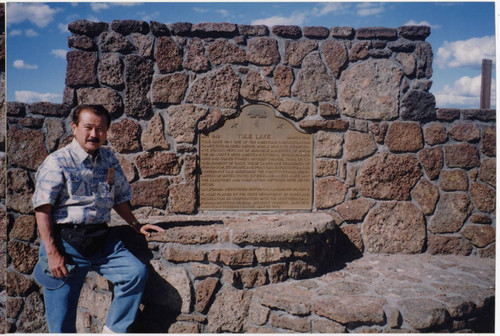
{"points": [[485, 84]]}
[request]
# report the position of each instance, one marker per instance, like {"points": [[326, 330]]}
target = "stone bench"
{"points": [[381, 293], [276, 274], [197, 256]]}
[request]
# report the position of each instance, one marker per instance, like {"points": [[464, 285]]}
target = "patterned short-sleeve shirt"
{"points": [[81, 190]]}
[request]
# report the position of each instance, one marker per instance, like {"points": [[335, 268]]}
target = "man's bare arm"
{"points": [[45, 223], [126, 213]]}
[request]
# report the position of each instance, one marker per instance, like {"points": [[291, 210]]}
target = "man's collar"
{"points": [[80, 153]]}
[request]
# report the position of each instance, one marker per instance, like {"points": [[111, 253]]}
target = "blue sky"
{"points": [[462, 34]]}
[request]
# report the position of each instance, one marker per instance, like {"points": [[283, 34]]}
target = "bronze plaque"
{"points": [[256, 162]]}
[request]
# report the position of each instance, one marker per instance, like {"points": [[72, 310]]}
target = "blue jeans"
{"points": [[115, 263]]}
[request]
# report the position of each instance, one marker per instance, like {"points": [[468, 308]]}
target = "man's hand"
{"points": [[57, 265], [146, 227]]}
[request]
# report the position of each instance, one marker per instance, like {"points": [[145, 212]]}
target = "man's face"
{"points": [[90, 132]]}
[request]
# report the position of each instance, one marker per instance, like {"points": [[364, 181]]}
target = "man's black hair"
{"points": [[97, 109]]}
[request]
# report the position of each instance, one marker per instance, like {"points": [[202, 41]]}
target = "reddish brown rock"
{"points": [[424, 54], [421, 313], [250, 277], [289, 322], [81, 42], [404, 137], [109, 99], [394, 227], [229, 311], [155, 163], [26, 148], [483, 196], [435, 134], [183, 198], [182, 120], [169, 89], [461, 155], [448, 114], [287, 31], [328, 110], [465, 132], [480, 218], [350, 309], [370, 90], [359, 51], [32, 319], [80, 69], [451, 212], [23, 256], [355, 210], [205, 291], [489, 141], [196, 60], [218, 88], [329, 192], [296, 110], [24, 228], [143, 43], [255, 87], [327, 326], [223, 52], [325, 168], [150, 193], [328, 144], [181, 253], [487, 172], [283, 80], [55, 130], [335, 55], [128, 168], [388, 176], [445, 244], [19, 190], [479, 235], [138, 77], [168, 55], [110, 70], [295, 51], [263, 51], [408, 62], [18, 284], [333, 125], [314, 83], [432, 161], [453, 180], [278, 273], [111, 41], [154, 137], [358, 145], [379, 129], [124, 136], [241, 257], [426, 194]]}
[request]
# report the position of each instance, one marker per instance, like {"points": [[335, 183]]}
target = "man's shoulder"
{"points": [[108, 155]]}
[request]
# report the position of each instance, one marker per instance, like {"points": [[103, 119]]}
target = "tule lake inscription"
{"points": [[256, 162]]}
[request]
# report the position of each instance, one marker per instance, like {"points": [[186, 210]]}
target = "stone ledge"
{"points": [[383, 293]]}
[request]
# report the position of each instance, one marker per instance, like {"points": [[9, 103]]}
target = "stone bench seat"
{"points": [[382, 293]]}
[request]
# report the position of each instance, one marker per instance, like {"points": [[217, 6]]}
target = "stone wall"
{"points": [[397, 174], [3, 226]]}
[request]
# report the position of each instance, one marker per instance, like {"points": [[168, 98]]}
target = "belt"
{"points": [[71, 226]]}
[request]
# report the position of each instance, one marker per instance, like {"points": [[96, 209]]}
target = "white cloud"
{"points": [[38, 14], [200, 10], [15, 32], [99, 6], [466, 53], [368, 8], [464, 93], [421, 23], [148, 16], [19, 64], [63, 27], [329, 7], [60, 53], [295, 19], [222, 12], [30, 33], [32, 97]]}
